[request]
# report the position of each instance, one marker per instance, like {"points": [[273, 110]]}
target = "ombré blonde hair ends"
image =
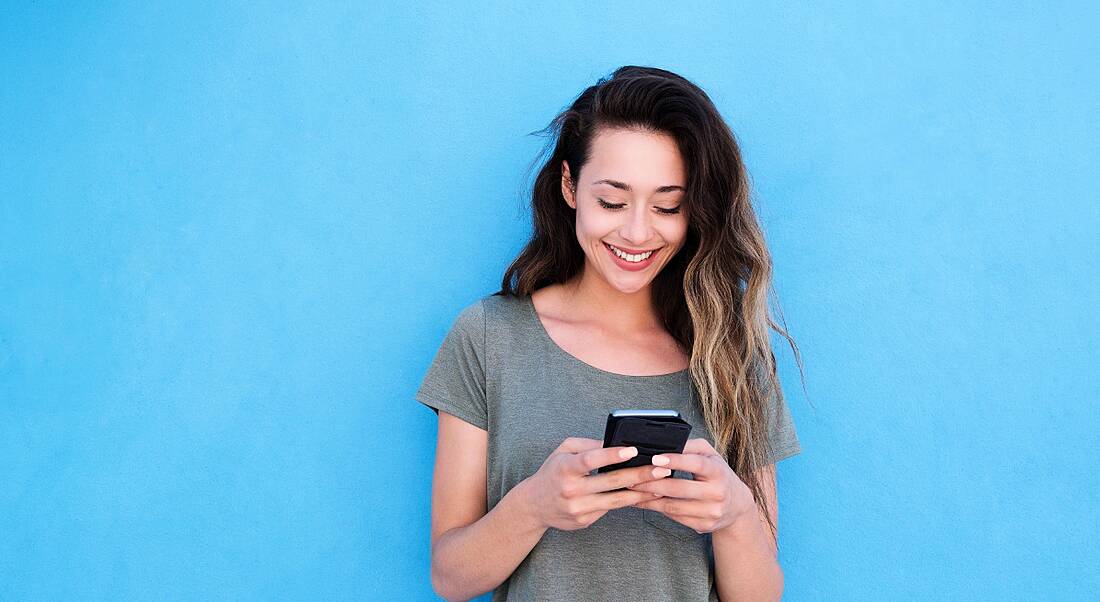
{"points": [[713, 295]]}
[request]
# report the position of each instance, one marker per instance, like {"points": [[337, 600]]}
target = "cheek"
{"points": [[593, 225], [675, 234]]}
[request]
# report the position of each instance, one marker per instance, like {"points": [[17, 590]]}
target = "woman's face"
{"points": [[628, 197]]}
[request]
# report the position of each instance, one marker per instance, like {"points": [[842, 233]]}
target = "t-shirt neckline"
{"points": [[545, 335]]}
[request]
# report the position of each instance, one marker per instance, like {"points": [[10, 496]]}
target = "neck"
{"points": [[590, 297]]}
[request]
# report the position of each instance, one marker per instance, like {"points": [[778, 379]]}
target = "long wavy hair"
{"points": [[712, 296]]}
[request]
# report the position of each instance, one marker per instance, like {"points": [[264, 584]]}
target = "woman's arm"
{"points": [[474, 551], [745, 559], [469, 561]]}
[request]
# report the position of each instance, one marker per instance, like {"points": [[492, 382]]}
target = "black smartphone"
{"points": [[653, 432]]}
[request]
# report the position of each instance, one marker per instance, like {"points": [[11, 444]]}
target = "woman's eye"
{"points": [[615, 206]]}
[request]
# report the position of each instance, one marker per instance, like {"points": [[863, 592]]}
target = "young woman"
{"points": [[644, 285]]}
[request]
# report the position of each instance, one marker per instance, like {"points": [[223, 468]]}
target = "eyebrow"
{"points": [[626, 187]]}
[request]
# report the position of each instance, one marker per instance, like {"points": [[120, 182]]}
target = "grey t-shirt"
{"points": [[499, 370]]}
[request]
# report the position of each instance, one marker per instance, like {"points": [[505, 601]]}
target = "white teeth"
{"points": [[628, 256]]}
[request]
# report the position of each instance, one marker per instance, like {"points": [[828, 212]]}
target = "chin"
{"points": [[629, 286]]}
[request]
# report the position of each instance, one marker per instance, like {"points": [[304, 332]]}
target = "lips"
{"points": [[632, 251], [631, 266]]}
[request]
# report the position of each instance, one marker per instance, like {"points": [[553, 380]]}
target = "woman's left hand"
{"points": [[716, 498]]}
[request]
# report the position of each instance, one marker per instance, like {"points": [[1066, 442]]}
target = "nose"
{"points": [[637, 230]]}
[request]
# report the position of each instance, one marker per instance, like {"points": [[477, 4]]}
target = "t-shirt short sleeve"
{"points": [[781, 431], [455, 381]]}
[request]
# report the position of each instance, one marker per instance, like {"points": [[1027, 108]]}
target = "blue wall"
{"points": [[231, 240]]}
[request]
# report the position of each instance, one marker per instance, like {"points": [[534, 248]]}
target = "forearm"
{"points": [[745, 563], [469, 561]]}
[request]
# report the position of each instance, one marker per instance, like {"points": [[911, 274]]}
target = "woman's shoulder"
{"points": [[499, 309], [491, 312]]}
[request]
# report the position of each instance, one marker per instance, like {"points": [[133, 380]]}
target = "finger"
{"points": [[574, 445], [587, 461], [696, 464], [647, 504], [673, 506], [699, 524], [617, 479], [699, 446], [616, 499], [591, 517], [676, 488], [642, 502]]}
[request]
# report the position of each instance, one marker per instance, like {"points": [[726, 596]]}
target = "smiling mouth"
{"points": [[632, 251], [638, 258]]}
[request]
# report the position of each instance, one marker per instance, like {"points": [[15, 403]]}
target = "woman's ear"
{"points": [[568, 189]]}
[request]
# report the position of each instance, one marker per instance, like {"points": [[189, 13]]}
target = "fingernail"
{"points": [[629, 452], [660, 460], [661, 472]]}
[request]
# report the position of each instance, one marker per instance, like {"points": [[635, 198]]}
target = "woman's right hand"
{"points": [[565, 496]]}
